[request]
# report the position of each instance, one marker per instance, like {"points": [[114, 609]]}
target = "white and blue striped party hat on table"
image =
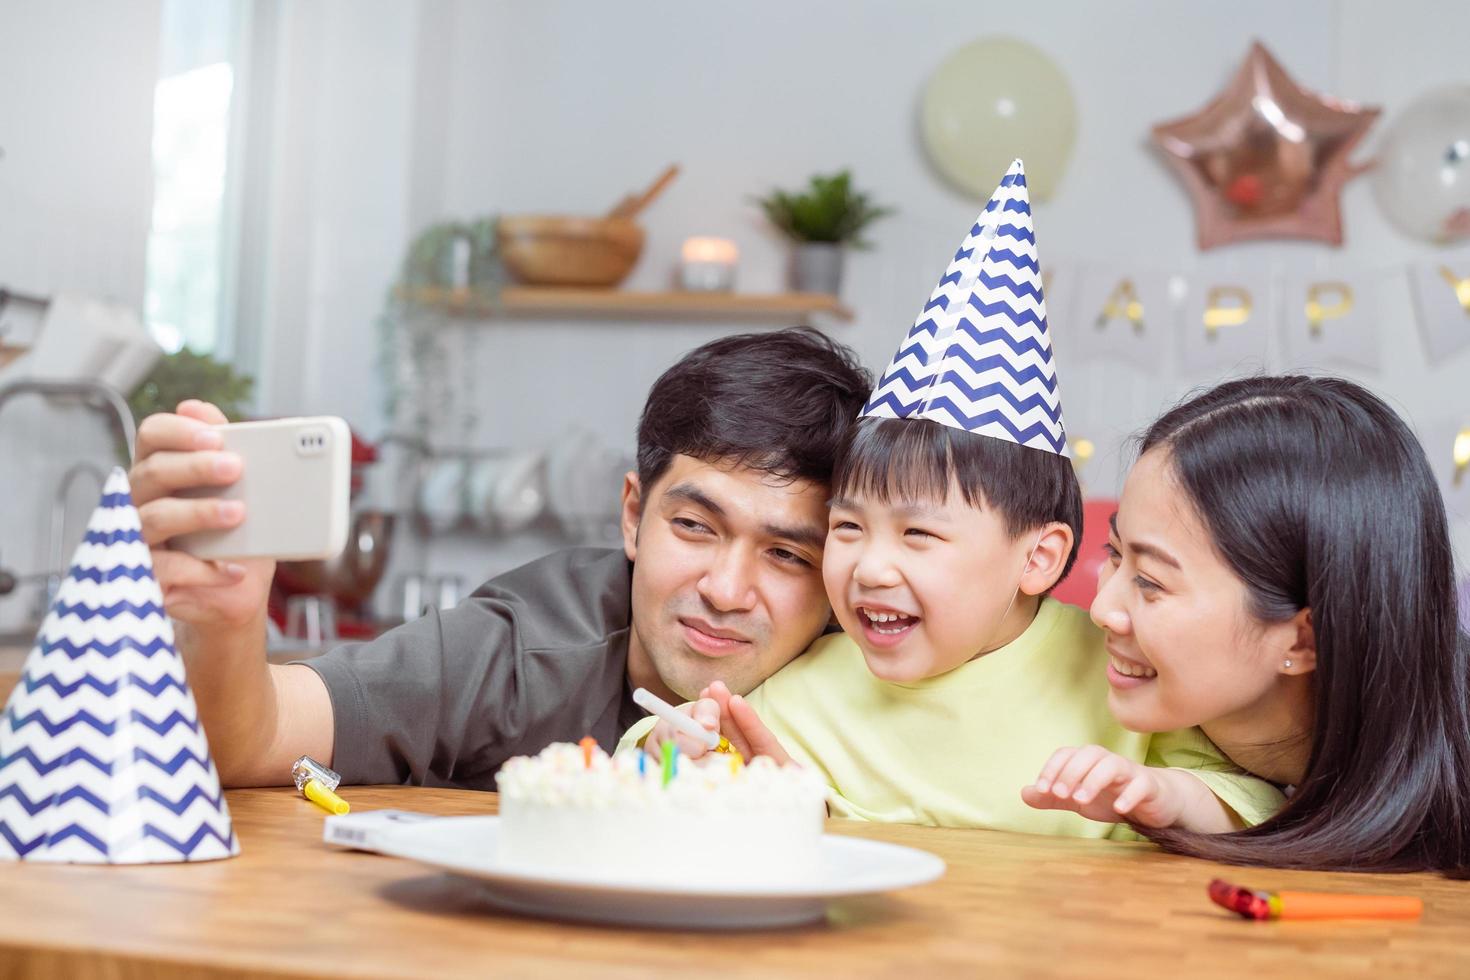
{"points": [[102, 756], [979, 357]]}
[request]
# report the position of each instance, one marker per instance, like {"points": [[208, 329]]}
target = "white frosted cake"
{"points": [[580, 811]]}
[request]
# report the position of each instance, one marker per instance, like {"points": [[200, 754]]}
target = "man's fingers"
{"points": [[167, 431], [171, 516], [162, 473], [176, 570], [202, 410]]}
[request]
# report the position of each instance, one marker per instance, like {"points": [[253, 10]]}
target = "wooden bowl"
{"points": [[551, 250]]}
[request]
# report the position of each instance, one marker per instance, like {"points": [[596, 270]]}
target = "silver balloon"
{"points": [[1422, 175]]}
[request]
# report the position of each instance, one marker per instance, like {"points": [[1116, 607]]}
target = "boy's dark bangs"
{"points": [[915, 461], [899, 461]]}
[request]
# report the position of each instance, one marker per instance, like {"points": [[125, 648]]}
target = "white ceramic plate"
{"points": [[466, 846]]}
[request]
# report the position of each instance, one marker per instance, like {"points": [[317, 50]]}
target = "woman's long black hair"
{"points": [[1319, 497]]}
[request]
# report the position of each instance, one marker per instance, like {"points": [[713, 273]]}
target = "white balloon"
{"points": [[992, 101], [1421, 178]]}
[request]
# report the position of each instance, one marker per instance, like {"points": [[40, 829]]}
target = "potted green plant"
{"points": [[185, 374], [413, 363], [821, 220]]}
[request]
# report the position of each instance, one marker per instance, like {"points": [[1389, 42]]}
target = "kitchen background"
{"points": [[307, 193]]}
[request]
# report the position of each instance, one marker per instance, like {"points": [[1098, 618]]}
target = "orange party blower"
{"points": [[1312, 905]]}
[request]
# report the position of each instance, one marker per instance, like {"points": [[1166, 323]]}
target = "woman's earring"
{"points": [[1287, 665]]}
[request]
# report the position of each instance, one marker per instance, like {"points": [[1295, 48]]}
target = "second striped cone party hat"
{"points": [[979, 355]]}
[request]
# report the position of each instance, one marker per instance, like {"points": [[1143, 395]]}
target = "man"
{"points": [[719, 577]]}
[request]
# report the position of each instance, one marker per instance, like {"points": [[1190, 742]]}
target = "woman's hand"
{"points": [[1104, 786]]}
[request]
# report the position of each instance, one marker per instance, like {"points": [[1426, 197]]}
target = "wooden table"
{"points": [[1009, 904]]}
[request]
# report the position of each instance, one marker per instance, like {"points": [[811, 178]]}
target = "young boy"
{"points": [[956, 510]]}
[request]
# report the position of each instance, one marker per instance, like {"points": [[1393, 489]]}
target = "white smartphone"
{"points": [[295, 485]]}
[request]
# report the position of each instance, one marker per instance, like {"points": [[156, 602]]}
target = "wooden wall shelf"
{"points": [[546, 302]]}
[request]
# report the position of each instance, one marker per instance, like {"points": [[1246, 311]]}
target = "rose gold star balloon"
{"points": [[1266, 158]]}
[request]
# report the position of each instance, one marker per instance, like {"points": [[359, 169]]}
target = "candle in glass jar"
{"points": [[708, 264]]}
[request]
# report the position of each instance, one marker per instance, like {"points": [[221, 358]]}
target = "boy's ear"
{"points": [[1048, 558]]}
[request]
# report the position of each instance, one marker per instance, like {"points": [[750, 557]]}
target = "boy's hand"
{"points": [[740, 724], [1104, 786], [706, 711], [176, 452]]}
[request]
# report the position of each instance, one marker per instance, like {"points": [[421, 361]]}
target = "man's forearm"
{"points": [[237, 698]]}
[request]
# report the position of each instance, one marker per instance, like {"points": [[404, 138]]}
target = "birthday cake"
{"points": [[576, 810]]}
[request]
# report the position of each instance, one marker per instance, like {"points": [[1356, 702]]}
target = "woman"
{"points": [[1281, 575]]}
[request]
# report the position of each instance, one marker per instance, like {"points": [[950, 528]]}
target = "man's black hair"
{"points": [[780, 402]]}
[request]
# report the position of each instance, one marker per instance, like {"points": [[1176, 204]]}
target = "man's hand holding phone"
{"points": [[179, 452], [258, 716]]}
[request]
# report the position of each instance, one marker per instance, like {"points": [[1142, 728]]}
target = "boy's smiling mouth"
{"points": [[889, 624]]}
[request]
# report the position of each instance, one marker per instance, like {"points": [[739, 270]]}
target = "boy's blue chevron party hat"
{"points": [[102, 757], [978, 357]]}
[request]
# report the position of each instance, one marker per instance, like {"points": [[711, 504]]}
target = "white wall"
{"points": [[76, 116], [558, 106], [386, 116], [561, 106], [76, 186], [333, 178]]}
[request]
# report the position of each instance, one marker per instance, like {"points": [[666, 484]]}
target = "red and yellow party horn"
{"points": [[1312, 905]]}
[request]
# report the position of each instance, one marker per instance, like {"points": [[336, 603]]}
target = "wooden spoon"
{"points": [[632, 204]]}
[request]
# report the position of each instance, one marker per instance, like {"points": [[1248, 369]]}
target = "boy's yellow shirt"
{"points": [[955, 750]]}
